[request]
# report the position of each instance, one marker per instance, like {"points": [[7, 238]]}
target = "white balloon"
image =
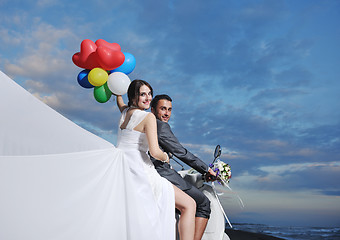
{"points": [[118, 83]]}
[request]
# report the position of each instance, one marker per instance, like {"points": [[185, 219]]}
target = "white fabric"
{"points": [[60, 182], [29, 127], [160, 203]]}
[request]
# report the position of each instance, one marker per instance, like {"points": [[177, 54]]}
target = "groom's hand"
{"points": [[210, 176]]}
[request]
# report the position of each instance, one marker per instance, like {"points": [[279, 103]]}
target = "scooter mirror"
{"points": [[218, 151]]}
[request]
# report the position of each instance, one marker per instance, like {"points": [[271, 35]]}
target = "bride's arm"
{"points": [[150, 128], [120, 103]]}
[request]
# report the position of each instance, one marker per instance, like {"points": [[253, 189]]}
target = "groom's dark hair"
{"points": [[155, 100]]}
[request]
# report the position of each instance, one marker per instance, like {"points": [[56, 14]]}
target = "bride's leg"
{"points": [[187, 206]]}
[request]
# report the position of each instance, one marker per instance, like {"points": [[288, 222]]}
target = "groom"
{"points": [[161, 107]]}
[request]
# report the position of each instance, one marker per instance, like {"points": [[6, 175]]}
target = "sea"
{"points": [[292, 233]]}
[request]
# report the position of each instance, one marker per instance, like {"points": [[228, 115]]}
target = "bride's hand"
{"points": [[167, 158]]}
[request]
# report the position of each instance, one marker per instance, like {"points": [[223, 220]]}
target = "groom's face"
{"points": [[163, 110]]}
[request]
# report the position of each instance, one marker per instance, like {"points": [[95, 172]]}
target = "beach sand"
{"points": [[243, 235]]}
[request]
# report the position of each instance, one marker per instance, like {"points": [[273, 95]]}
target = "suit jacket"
{"points": [[169, 143]]}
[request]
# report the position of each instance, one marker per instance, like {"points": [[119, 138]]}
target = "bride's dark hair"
{"points": [[133, 90]]}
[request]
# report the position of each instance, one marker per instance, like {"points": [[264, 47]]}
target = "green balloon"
{"points": [[102, 93]]}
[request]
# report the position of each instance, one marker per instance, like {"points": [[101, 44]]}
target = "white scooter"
{"points": [[216, 224]]}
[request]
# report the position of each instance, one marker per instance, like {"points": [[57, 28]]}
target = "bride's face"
{"points": [[145, 97]]}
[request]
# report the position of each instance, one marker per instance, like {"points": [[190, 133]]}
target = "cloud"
{"points": [[320, 176], [8, 37], [45, 62], [43, 53], [46, 3], [298, 167], [323, 136], [272, 94], [294, 77], [195, 43], [335, 192]]}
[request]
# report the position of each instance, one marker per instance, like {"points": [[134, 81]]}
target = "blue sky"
{"points": [[260, 78]]}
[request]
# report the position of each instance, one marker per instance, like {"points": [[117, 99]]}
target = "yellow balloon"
{"points": [[98, 77]]}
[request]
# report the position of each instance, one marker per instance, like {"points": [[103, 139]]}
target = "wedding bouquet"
{"points": [[222, 170]]}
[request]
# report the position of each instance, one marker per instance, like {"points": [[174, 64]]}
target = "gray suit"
{"points": [[169, 143]]}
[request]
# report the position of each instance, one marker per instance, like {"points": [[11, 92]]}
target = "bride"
{"points": [[137, 135]]}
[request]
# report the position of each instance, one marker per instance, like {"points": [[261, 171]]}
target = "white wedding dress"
{"points": [[155, 192], [61, 182]]}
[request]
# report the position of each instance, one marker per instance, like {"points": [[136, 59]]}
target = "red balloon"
{"points": [[100, 54], [113, 46], [87, 57], [108, 58]]}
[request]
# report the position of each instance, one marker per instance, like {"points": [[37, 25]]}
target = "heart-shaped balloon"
{"points": [[113, 46], [108, 58], [87, 57]]}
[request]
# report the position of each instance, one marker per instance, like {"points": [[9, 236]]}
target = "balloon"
{"points": [[109, 58], [83, 79], [113, 46], [102, 93], [98, 76], [87, 57], [118, 83], [128, 66], [99, 54]]}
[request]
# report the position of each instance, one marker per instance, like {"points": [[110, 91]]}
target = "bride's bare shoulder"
{"points": [[151, 115], [149, 118]]}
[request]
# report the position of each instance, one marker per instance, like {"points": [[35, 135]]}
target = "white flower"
{"points": [[224, 171]]}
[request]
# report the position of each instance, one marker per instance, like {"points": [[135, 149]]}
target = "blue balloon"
{"points": [[128, 65], [83, 80]]}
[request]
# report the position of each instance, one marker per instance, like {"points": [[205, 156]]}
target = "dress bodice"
{"points": [[129, 138]]}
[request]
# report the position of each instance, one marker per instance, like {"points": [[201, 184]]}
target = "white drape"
{"points": [[29, 127], [57, 180]]}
